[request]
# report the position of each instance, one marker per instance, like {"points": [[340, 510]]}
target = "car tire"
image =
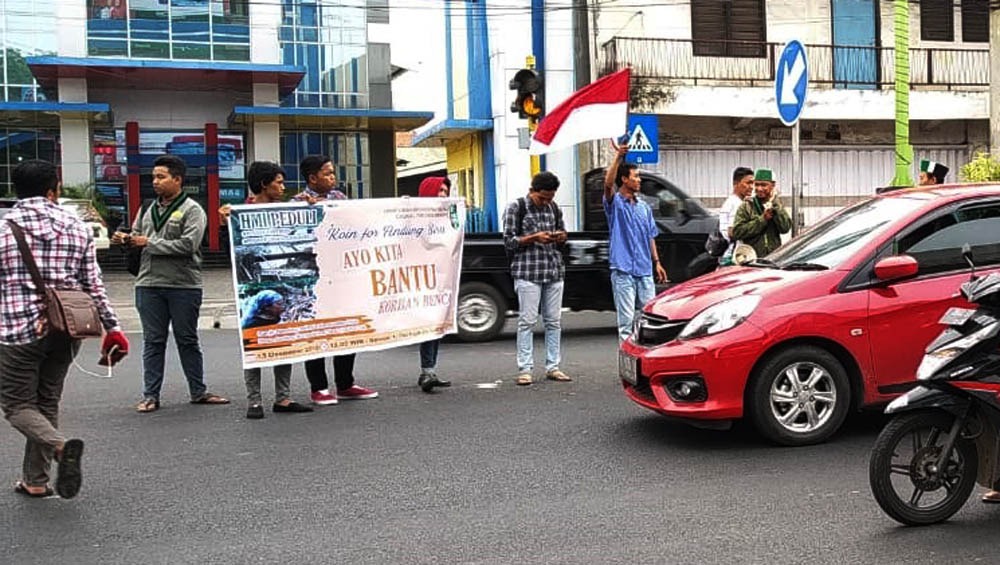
{"points": [[482, 312], [799, 396]]}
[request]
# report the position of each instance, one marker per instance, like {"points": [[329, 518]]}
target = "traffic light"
{"points": [[528, 104]]}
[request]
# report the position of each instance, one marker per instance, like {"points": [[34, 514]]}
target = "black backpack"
{"points": [[522, 210]]}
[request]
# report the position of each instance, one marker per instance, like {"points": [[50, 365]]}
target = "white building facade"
{"points": [[706, 69]]}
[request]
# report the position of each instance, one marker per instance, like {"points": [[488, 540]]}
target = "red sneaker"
{"points": [[356, 393], [323, 397]]}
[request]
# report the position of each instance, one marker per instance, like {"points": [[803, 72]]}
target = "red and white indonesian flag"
{"points": [[596, 111]]}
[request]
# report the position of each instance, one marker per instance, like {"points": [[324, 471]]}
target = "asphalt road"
{"points": [[552, 473]]}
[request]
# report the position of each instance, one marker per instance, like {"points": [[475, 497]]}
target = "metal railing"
{"points": [[753, 64]]}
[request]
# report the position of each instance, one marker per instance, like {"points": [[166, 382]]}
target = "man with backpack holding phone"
{"points": [[533, 231]]}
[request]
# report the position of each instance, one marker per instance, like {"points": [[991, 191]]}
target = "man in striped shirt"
{"points": [[33, 359]]}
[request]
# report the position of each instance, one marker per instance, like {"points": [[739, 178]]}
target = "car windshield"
{"points": [[836, 238]]}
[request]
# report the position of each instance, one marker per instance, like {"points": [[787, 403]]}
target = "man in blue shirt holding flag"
{"points": [[632, 242]]}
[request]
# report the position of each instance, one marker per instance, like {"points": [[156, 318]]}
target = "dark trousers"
{"points": [[343, 372], [429, 354], [159, 310], [31, 385]]}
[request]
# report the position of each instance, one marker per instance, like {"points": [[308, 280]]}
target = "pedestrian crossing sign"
{"points": [[643, 142]]}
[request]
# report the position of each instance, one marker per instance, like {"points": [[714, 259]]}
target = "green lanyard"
{"points": [[158, 219]]}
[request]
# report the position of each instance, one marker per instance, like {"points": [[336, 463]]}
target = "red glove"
{"points": [[113, 348]]}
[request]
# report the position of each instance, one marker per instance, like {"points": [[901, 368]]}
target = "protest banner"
{"points": [[344, 276]]}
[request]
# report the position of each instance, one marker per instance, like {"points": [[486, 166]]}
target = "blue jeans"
{"points": [[429, 355], [160, 309], [631, 294], [531, 296]]}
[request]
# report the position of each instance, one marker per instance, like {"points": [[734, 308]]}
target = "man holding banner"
{"points": [[321, 182], [351, 275]]}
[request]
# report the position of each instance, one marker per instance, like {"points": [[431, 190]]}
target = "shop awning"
{"points": [[449, 130], [46, 113], [164, 74], [348, 119]]}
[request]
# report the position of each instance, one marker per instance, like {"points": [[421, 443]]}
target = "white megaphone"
{"points": [[744, 254]]}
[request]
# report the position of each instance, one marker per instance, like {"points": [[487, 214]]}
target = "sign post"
{"points": [[790, 84]]}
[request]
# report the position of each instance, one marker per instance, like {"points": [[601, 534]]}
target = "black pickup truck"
{"points": [[487, 293]]}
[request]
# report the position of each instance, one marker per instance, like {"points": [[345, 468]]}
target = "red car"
{"points": [[835, 320]]}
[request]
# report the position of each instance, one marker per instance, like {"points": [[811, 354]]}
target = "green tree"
{"points": [[86, 191], [17, 68], [984, 168]]}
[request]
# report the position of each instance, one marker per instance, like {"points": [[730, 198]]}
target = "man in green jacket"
{"points": [[762, 219], [168, 289]]}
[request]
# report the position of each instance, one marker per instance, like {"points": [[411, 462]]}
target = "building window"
{"points": [[331, 42], [976, 21], [26, 30], [733, 28], [217, 30], [17, 145], [937, 20], [347, 150]]}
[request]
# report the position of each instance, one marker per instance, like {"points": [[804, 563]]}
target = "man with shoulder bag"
{"points": [[49, 268]]}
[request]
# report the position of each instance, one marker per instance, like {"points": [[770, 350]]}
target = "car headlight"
{"points": [[723, 316], [933, 361]]}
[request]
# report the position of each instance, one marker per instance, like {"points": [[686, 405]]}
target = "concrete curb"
{"points": [[214, 315]]}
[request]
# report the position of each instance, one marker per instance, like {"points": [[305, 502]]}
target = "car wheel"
{"points": [[799, 396], [481, 312]]}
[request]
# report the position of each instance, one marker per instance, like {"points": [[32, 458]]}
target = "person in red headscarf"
{"points": [[431, 187]]}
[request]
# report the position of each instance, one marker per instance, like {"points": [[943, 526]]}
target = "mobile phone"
{"points": [[623, 140], [113, 356]]}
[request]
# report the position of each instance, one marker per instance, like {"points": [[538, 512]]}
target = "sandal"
{"points": [[147, 405], [70, 475], [991, 497], [22, 489], [523, 380], [209, 398], [557, 375]]}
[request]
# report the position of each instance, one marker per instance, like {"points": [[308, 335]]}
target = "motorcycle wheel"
{"points": [[899, 470]]}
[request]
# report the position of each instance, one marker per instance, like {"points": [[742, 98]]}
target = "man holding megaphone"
{"points": [[761, 220]]}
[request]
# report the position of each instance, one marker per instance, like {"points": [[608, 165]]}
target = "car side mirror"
{"points": [[896, 267], [685, 217]]}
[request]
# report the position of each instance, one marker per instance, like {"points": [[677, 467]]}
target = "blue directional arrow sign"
{"points": [[791, 82]]}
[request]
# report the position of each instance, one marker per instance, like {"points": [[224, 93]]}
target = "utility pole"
{"points": [[904, 151], [995, 78], [536, 162]]}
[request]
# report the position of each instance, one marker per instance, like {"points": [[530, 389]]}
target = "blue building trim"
{"points": [[452, 125], [86, 107], [164, 64], [330, 112], [448, 67], [477, 40], [490, 184], [480, 105]]}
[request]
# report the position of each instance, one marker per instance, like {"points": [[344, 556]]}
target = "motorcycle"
{"points": [[944, 436]]}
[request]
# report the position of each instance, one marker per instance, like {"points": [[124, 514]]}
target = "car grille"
{"points": [[657, 330]]}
